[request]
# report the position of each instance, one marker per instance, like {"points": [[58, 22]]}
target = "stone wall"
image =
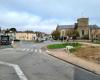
{"points": [[83, 22]]}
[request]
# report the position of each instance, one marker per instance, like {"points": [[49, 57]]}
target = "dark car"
{"points": [[16, 40], [5, 40]]}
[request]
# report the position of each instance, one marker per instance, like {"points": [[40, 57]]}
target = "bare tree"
{"points": [[93, 33]]}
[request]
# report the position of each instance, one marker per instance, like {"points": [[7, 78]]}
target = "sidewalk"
{"points": [[7, 73], [92, 44], [92, 67]]}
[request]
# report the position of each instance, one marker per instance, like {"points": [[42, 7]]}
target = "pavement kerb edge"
{"points": [[77, 63]]}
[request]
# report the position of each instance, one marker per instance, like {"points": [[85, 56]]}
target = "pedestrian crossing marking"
{"points": [[23, 49], [35, 50], [40, 50], [27, 49], [31, 50]]}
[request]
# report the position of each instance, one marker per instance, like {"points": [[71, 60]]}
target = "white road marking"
{"points": [[40, 50], [17, 70], [27, 49], [35, 50], [20, 73], [47, 51], [23, 49], [31, 50]]}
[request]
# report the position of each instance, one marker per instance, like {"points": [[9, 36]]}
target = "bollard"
{"points": [[68, 48]]}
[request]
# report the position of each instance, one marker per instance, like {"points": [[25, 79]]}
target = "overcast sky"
{"points": [[44, 15]]}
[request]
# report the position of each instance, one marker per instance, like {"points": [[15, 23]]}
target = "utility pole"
{"points": [[0, 30]]}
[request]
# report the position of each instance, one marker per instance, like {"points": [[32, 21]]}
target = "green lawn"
{"points": [[63, 45], [97, 42]]}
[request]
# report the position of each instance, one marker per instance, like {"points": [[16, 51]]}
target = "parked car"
{"points": [[41, 39], [5, 40], [17, 40]]}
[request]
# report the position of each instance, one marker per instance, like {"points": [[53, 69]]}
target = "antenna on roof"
{"points": [[57, 24], [83, 14]]}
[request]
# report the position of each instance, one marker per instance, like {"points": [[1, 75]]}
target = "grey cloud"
{"points": [[49, 12]]}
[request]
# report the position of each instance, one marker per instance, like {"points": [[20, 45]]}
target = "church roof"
{"points": [[93, 27], [65, 26], [73, 26]]}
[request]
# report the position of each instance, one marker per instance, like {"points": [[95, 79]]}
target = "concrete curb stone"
{"points": [[87, 65]]}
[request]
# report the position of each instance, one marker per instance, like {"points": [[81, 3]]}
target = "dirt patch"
{"points": [[90, 53]]}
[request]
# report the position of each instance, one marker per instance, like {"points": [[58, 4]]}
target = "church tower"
{"points": [[83, 28]]}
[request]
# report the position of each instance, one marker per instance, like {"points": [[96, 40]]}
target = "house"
{"points": [[21, 35], [82, 27], [27, 36]]}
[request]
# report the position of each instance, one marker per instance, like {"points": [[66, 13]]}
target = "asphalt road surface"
{"points": [[37, 65]]}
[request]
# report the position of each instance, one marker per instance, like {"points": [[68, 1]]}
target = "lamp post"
{"points": [[0, 30], [91, 34]]}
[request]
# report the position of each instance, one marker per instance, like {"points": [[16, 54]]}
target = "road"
{"points": [[37, 65]]}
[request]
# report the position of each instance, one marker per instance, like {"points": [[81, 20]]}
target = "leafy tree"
{"points": [[55, 34], [13, 29], [75, 33], [39, 34], [0, 29], [7, 31], [93, 33], [29, 31]]}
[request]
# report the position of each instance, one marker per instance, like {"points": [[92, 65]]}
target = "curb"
{"points": [[89, 66]]}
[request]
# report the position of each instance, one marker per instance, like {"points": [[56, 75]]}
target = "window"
{"points": [[63, 33], [82, 32]]}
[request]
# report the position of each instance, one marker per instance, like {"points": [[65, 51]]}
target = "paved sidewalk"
{"points": [[7, 73], [92, 44], [92, 67]]}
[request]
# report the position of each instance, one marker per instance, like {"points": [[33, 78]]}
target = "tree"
{"points": [[0, 29], [29, 31], [7, 31], [55, 34], [75, 33], [13, 29], [93, 33], [39, 34]]}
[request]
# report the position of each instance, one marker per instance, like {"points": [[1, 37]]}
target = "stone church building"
{"points": [[83, 28]]}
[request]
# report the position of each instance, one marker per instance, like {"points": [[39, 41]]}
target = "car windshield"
{"points": [[4, 38]]}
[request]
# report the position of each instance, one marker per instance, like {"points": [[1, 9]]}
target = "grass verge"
{"points": [[97, 42], [63, 45]]}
